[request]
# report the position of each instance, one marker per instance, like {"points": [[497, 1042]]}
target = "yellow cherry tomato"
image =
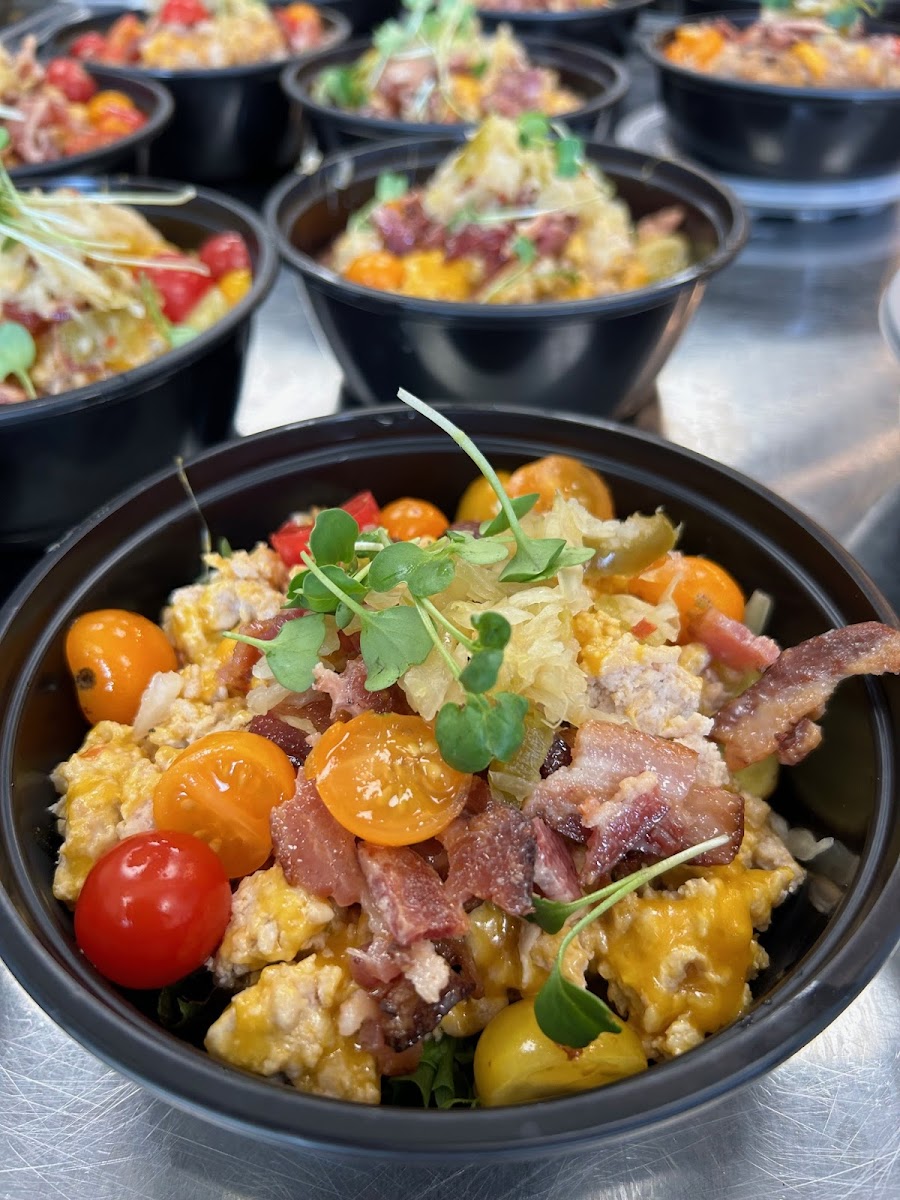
{"points": [[378, 269], [515, 1063], [412, 518], [479, 501], [222, 789], [235, 285], [113, 654], [701, 582], [381, 775], [557, 474]]}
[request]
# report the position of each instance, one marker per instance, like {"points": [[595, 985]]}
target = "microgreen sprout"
{"points": [[388, 187], [17, 355]]}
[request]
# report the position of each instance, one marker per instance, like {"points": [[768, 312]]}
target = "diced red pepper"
{"points": [[643, 628], [292, 539]]}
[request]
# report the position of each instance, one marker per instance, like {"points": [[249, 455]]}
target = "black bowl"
{"points": [[231, 123], [364, 15], [771, 132], [135, 552], [128, 153], [889, 11], [600, 79], [61, 457], [602, 354], [609, 28]]}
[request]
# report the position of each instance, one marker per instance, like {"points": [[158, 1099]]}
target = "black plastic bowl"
{"points": [[609, 28], [766, 131], [600, 355], [148, 543], [231, 123], [364, 15], [128, 153], [889, 11], [598, 78], [61, 457]]}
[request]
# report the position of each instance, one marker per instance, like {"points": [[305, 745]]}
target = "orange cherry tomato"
{"points": [[222, 789], [410, 518], [479, 501], [378, 269], [560, 475], [113, 655], [382, 776], [701, 582]]}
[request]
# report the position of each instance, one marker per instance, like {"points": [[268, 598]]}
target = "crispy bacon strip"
{"points": [[405, 1018], [408, 896], [492, 858], [732, 643], [313, 850], [348, 694], [293, 742], [554, 870], [777, 714], [624, 826]]}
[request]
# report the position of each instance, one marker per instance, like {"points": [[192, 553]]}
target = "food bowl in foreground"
{"points": [[64, 454], [599, 354], [147, 544]]}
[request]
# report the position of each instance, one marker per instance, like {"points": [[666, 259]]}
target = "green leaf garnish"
{"points": [[480, 674], [342, 85], [524, 249], [534, 129], [473, 734], [17, 355], [393, 565], [443, 1078], [433, 575], [333, 537], [293, 652], [388, 186], [520, 506], [315, 596], [569, 157], [391, 642], [493, 629], [479, 551]]}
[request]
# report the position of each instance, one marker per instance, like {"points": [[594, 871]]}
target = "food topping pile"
{"points": [[437, 66], [541, 6], [89, 288], [185, 34], [54, 111], [516, 216], [401, 810], [800, 52]]}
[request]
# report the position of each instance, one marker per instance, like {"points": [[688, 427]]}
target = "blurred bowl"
{"points": [[61, 457], [773, 132], [125, 154], [231, 123], [598, 78], [889, 10], [364, 15], [608, 28], [148, 543], [604, 353]]}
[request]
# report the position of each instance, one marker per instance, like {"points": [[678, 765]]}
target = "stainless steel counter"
{"points": [[783, 374]]}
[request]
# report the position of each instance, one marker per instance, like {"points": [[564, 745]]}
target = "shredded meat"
{"points": [[313, 850]]}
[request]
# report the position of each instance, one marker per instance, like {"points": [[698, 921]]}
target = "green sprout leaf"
{"points": [[520, 506], [342, 85], [17, 355], [480, 674], [472, 735], [481, 552], [433, 575], [333, 537], [392, 641], [293, 652], [524, 249], [534, 129], [394, 565], [569, 157], [388, 187], [317, 597], [493, 629]]}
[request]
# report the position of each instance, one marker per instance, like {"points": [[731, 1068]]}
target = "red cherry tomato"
{"points": [[153, 909], [179, 290], [183, 12], [72, 79], [292, 539], [89, 45], [225, 252], [123, 40]]}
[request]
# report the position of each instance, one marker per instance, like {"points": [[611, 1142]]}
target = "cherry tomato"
{"points": [[183, 12], [560, 475], [179, 290], [235, 285], [225, 252], [292, 539], [222, 789], [114, 114], [123, 40], [381, 775], [479, 501], [153, 909], [83, 141], [71, 78], [378, 269], [89, 45], [113, 655], [410, 518], [299, 23], [701, 582]]}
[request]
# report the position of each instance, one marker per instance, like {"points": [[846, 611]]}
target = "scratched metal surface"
{"points": [[782, 374]]}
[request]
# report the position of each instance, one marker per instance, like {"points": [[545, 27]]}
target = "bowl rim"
{"points": [[162, 109], [650, 44], [173, 360], [338, 31], [390, 128], [598, 13], [108, 1027], [632, 163]]}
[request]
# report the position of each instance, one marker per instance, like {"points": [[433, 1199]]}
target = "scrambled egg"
{"points": [[288, 1024]]}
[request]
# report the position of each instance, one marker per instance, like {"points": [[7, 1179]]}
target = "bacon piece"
{"points": [[777, 714], [313, 850], [236, 673], [348, 694], [515, 90], [293, 742], [550, 232], [732, 643], [405, 1018], [403, 224], [622, 827], [489, 243], [408, 896], [554, 870], [479, 796], [492, 858], [704, 813]]}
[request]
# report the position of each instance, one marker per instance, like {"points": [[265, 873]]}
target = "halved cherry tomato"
{"points": [[89, 45], [113, 654], [411, 518], [235, 285], [381, 775], [222, 789], [292, 539], [377, 269], [179, 290], [71, 78], [479, 501], [558, 474], [701, 582], [225, 252], [123, 40], [153, 909], [183, 12]]}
